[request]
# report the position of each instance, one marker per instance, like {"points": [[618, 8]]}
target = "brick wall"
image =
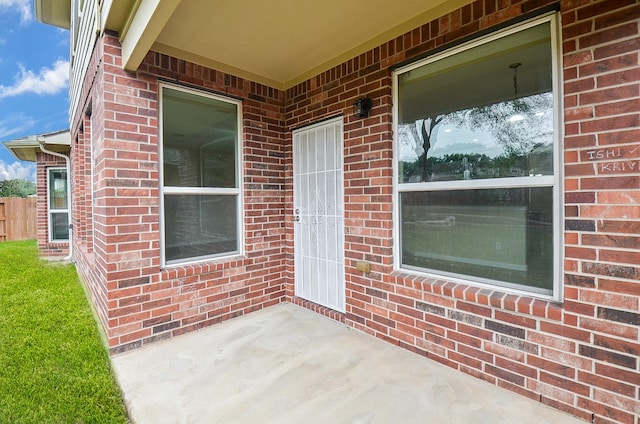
{"points": [[602, 204], [137, 301], [581, 356], [45, 247], [81, 185], [88, 134]]}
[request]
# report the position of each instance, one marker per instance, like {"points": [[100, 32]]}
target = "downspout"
{"points": [[69, 257]]}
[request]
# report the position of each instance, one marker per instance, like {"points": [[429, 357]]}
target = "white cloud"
{"points": [[47, 81], [23, 7], [15, 124], [17, 170]]}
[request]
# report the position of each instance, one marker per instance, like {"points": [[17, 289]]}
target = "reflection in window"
{"points": [[475, 151], [200, 145], [212, 224], [505, 139], [494, 234]]}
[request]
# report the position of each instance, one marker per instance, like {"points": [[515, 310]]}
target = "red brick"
{"points": [[552, 341], [609, 94], [517, 367], [599, 67], [505, 375], [619, 78], [608, 35], [564, 331], [612, 123], [476, 353], [613, 300], [617, 374], [617, 345], [552, 367], [514, 337], [474, 309], [614, 49], [610, 183], [579, 86], [607, 408], [617, 286], [523, 321], [573, 31], [618, 137], [607, 383], [602, 8], [608, 327], [627, 361]]}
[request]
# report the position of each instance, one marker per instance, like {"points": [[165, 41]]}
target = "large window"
{"points": [[201, 175], [477, 161], [58, 202]]}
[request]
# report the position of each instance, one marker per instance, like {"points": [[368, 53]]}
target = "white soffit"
{"points": [[53, 12], [279, 42]]}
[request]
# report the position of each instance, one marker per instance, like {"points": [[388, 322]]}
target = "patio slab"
{"points": [[286, 364]]}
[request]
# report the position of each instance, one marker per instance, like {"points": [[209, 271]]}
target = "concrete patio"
{"points": [[286, 364]]}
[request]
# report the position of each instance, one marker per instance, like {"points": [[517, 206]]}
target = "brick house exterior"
{"points": [[580, 355], [48, 151], [46, 247]]}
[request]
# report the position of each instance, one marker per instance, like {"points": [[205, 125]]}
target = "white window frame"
{"points": [[50, 210], [238, 192], [514, 182], [92, 183]]}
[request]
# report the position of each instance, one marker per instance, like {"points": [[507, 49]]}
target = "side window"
{"points": [[201, 175], [476, 160], [58, 204]]}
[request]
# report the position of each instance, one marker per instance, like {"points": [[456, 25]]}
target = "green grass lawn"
{"points": [[54, 367]]}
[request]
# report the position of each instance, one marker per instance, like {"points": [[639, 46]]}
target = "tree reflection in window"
{"points": [[505, 139]]}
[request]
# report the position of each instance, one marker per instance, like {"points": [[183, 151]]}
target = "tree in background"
{"points": [[518, 126], [17, 188]]}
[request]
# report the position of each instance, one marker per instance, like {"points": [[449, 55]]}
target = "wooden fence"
{"points": [[17, 218]]}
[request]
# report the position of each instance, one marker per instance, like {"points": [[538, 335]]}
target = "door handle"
{"points": [[296, 216]]}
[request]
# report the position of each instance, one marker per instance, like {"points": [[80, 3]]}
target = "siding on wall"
{"points": [[580, 356]]}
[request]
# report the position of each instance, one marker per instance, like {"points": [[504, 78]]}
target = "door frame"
{"points": [[340, 204]]}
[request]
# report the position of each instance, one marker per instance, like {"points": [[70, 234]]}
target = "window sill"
{"points": [[449, 293], [202, 266]]}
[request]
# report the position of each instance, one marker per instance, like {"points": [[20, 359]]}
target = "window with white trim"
{"points": [[201, 169], [477, 161], [58, 203]]}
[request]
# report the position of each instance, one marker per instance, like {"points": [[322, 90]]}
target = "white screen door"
{"points": [[318, 214]]}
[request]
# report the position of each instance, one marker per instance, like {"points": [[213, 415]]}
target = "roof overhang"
{"points": [[53, 12], [26, 148], [279, 43]]}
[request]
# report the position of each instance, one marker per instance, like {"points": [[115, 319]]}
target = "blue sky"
{"points": [[34, 80]]}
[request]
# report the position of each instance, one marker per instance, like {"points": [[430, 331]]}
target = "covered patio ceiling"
{"points": [[283, 42], [277, 42]]}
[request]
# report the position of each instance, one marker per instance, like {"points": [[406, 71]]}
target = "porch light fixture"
{"points": [[362, 107]]}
